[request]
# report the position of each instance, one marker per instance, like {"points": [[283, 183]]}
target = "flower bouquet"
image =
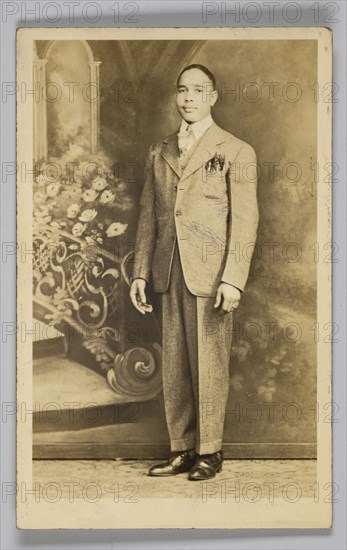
{"points": [[83, 198]]}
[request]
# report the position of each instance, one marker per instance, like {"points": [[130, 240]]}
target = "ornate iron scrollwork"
{"points": [[85, 289]]}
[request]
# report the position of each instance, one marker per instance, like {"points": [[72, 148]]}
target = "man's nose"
{"points": [[189, 96]]}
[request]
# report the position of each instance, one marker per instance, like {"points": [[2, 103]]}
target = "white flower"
{"points": [[88, 215], [52, 189], [89, 195], [78, 229], [116, 229], [107, 197], [99, 183], [73, 210]]}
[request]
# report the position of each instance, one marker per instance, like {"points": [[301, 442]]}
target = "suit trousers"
{"points": [[196, 350]]}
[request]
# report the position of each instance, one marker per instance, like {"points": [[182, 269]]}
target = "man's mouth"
{"points": [[189, 109]]}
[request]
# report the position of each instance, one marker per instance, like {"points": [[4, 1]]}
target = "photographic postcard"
{"points": [[174, 278]]}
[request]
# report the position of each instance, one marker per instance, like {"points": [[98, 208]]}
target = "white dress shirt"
{"points": [[198, 127]]}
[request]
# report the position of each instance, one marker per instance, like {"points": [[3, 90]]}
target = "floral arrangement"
{"points": [[82, 197]]}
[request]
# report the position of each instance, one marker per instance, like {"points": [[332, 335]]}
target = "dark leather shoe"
{"points": [[178, 463], [206, 466]]}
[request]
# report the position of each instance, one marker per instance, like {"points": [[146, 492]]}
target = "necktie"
{"points": [[185, 139]]}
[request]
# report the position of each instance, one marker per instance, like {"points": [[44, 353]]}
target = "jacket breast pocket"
{"points": [[214, 185]]}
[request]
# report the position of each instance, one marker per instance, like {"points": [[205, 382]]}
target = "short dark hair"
{"points": [[202, 68]]}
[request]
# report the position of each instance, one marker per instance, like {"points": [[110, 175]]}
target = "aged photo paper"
{"points": [[174, 278]]}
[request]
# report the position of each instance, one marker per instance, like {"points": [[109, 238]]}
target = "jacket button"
{"points": [[178, 213], [175, 188]]}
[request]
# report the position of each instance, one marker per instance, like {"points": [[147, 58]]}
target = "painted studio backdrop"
{"points": [[97, 362]]}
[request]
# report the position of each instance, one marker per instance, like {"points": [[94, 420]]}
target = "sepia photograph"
{"points": [[174, 278]]}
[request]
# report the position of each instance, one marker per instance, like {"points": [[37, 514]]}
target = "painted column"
{"points": [[94, 105], [40, 112]]}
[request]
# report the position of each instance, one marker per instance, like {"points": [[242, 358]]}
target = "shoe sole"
{"points": [[167, 475]]}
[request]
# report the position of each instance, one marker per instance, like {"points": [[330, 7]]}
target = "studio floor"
{"points": [[128, 479]]}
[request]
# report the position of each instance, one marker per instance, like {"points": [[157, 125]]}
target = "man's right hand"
{"points": [[138, 296]]}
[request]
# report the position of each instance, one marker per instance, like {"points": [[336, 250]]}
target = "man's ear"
{"points": [[214, 97]]}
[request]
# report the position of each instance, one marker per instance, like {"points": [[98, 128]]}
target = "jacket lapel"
{"points": [[171, 154], [205, 150]]}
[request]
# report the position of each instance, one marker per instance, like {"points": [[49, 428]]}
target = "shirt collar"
{"points": [[198, 127]]}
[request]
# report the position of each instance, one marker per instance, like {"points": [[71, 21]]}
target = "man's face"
{"points": [[194, 95]]}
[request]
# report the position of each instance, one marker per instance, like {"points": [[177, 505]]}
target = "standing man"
{"points": [[196, 234]]}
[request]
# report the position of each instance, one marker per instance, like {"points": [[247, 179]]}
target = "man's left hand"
{"points": [[228, 297]]}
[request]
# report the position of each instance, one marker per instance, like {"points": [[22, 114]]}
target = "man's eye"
{"points": [[198, 91]]}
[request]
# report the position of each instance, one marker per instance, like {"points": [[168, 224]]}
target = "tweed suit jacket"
{"points": [[213, 214]]}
